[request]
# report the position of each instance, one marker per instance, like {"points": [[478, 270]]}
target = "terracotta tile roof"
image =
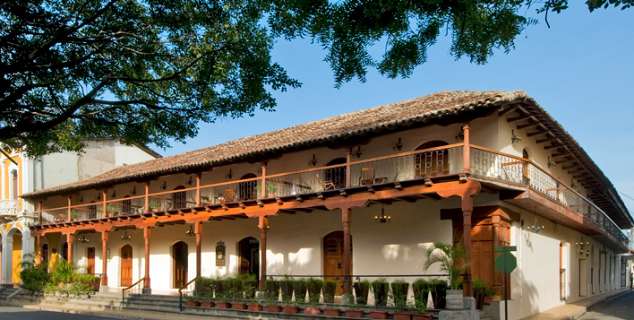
{"points": [[422, 110], [443, 105]]}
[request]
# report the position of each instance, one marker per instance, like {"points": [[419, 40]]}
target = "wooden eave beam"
{"points": [[554, 146], [518, 118], [560, 154], [505, 111], [547, 140], [531, 134], [528, 125]]}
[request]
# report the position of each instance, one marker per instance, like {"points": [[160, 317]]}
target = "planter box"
{"points": [[422, 316], [332, 312], [291, 309], [354, 313], [255, 307], [238, 305], [273, 308], [375, 314], [207, 304], [223, 305], [192, 303], [312, 311], [402, 316], [487, 300]]}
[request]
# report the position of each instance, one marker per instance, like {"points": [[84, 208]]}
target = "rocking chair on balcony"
{"points": [[326, 185], [229, 196]]}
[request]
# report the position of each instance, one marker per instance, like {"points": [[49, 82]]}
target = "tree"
{"points": [[348, 29], [139, 71], [146, 71]]}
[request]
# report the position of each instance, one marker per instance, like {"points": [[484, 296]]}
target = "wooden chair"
{"points": [[229, 196], [326, 185], [367, 176], [60, 218]]}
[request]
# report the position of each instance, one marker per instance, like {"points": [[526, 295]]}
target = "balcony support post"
{"points": [[69, 210], [69, 240], [39, 211], [105, 206], [263, 187], [40, 243], [198, 230], [104, 258], [147, 197], [147, 234], [348, 173], [198, 177], [346, 218], [495, 221], [264, 225], [466, 150], [467, 210]]}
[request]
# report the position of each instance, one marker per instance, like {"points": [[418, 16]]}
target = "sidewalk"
{"points": [[576, 309]]}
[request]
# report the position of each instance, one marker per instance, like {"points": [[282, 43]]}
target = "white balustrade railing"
{"points": [[9, 207]]}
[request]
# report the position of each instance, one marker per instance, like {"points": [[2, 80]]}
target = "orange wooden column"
{"points": [[69, 240], [264, 224], [104, 258], [198, 229], [147, 234], [466, 150], [346, 217], [467, 210], [40, 243]]}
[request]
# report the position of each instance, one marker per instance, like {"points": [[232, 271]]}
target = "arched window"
{"points": [[248, 189], [179, 198], [431, 163], [336, 175], [14, 184]]}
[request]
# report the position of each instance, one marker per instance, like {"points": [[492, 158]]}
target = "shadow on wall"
{"points": [[529, 292]]}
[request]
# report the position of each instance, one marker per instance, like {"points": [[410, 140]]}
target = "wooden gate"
{"points": [[126, 266]]}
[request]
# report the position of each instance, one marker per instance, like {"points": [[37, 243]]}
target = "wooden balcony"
{"points": [[415, 167]]}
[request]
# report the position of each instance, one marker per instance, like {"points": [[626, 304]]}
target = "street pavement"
{"points": [[19, 313], [620, 307]]}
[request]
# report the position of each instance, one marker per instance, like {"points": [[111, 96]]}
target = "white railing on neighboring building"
{"points": [[9, 207]]}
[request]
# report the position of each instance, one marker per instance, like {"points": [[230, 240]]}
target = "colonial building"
{"points": [[22, 175], [358, 195]]}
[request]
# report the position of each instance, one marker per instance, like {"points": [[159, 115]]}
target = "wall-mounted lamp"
{"points": [[581, 246], [164, 185], [125, 236], [82, 239], [229, 175], [382, 218], [114, 194], [398, 146], [133, 190], [81, 199], [460, 135], [189, 183], [603, 251], [515, 138], [551, 163], [190, 232], [572, 183], [357, 153], [98, 196], [312, 162], [535, 228]]}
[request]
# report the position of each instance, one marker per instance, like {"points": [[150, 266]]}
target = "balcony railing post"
{"points": [[69, 210], [198, 177], [466, 150], [105, 205], [147, 197], [39, 211], [348, 173], [263, 188]]}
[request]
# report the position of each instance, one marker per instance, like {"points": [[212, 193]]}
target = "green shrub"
{"points": [[34, 276], [362, 290], [380, 288], [314, 289], [330, 286], [399, 294], [204, 288], [479, 285], [300, 288]]}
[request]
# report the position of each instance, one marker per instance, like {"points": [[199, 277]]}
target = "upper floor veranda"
{"points": [[503, 140]]}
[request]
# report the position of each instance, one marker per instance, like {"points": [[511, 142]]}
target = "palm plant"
{"points": [[451, 258]]}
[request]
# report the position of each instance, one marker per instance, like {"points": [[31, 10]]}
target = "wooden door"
{"points": [[180, 264], [126, 266], [91, 261], [333, 258]]}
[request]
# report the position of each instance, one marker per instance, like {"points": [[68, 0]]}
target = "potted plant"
{"points": [[205, 291], [438, 289], [286, 284], [253, 304], [362, 290], [353, 309], [420, 311], [250, 285], [270, 190], [192, 300], [452, 260], [329, 288], [399, 298], [381, 288], [314, 289], [420, 287], [273, 291], [311, 305], [488, 295], [224, 298], [300, 289], [291, 307], [479, 286]]}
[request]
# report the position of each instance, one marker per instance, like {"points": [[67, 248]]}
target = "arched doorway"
{"points": [[336, 175], [179, 198], [249, 263], [16, 257], [65, 251], [1, 264], [45, 257], [333, 258], [126, 266], [431, 163], [248, 189], [180, 254]]}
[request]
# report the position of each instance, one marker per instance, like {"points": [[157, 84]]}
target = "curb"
{"points": [[83, 312]]}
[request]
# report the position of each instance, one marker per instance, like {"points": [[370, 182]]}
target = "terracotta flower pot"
{"points": [[193, 303], [273, 308], [312, 311], [291, 309], [238, 305], [223, 305], [207, 304], [354, 313], [487, 300], [376, 314], [402, 316], [332, 312], [255, 307], [422, 316]]}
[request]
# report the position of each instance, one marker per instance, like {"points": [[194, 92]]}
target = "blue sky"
{"points": [[581, 71]]}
